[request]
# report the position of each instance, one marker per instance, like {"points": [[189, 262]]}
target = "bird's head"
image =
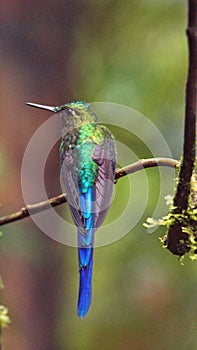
{"points": [[72, 112]]}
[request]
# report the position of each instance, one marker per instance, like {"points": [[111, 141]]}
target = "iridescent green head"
{"points": [[76, 105], [75, 114], [78, 112]]}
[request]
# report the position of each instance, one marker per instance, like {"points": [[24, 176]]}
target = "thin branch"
{"points": [[62, 198], [145, 163], [31, 209]]}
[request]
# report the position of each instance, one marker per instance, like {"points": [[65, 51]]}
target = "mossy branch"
{"points": [[183, 189], [181, 221], [182, 232]]}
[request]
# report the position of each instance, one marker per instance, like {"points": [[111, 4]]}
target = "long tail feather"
{"points": [[85, 254], [85, 282]]}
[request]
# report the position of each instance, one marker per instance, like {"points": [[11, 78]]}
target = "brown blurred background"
{"points": [[127, 52]]}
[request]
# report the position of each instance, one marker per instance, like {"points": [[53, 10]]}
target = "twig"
{"points": [[55, 201], [145, 163]]}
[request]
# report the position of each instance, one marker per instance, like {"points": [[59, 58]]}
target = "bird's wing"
{"points": [[69, 176], [104, 156]]}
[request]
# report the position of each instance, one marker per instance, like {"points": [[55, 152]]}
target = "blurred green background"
{"points": [[126, 52]]}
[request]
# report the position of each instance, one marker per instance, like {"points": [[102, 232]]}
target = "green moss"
{"points": [[4, 317], [187, 220]]}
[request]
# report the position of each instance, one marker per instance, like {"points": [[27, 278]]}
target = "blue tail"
{"points": [[85, 282], [85, 254]]}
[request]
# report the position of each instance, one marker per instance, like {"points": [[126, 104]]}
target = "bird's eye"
{"points": [[71, 111]]}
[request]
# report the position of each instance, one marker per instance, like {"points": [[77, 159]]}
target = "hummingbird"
{"points": [[87, 162]]}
